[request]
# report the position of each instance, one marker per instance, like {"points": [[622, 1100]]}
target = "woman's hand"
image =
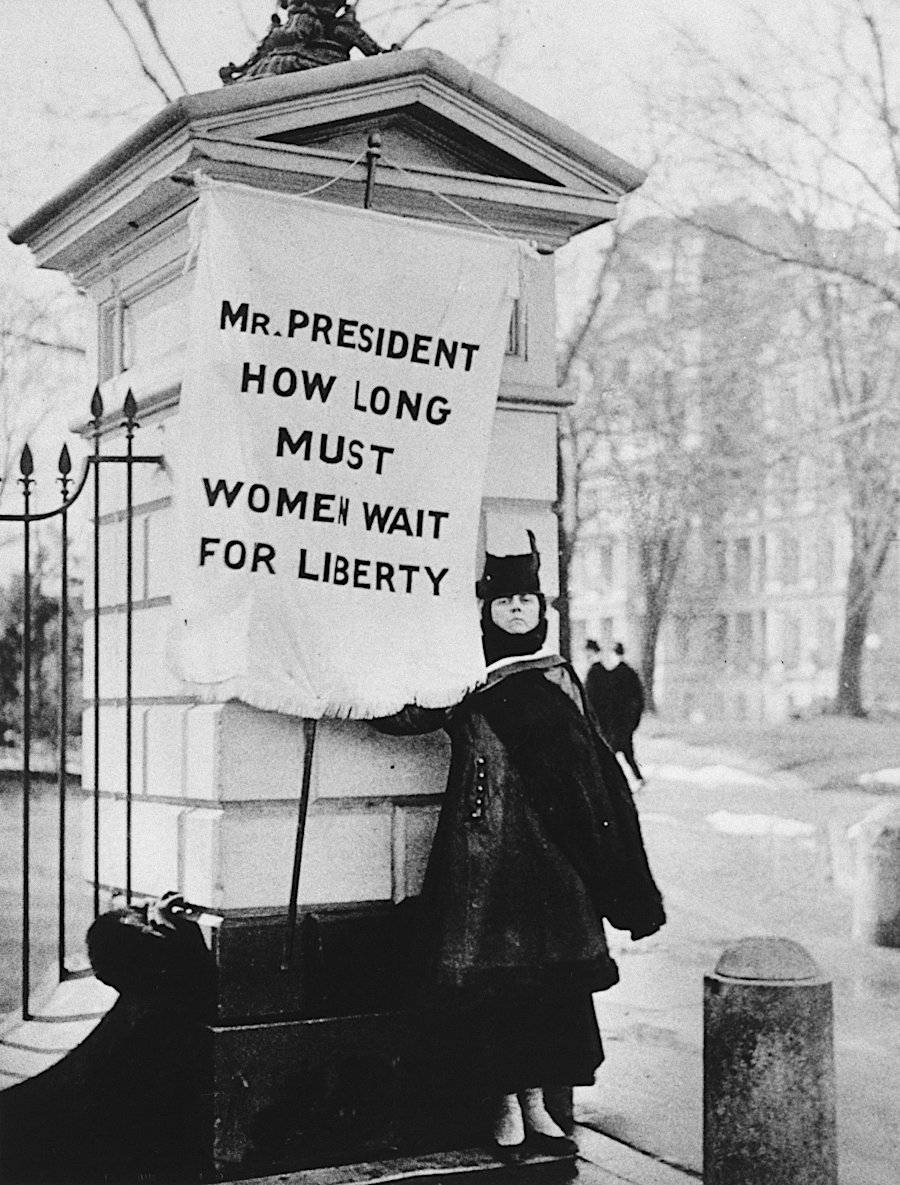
{"points": [[163, 910]]}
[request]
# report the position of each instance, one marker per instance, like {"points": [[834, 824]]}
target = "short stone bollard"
{"points": [[876, 890], [768, 1068]]}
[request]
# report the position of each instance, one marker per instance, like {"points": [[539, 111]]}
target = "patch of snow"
{"points": [[884, 816], [706, 775], [735, 824], [880, 777]]}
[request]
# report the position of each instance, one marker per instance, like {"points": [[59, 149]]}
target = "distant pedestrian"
{"points": [[597, 686], [617, 697]]}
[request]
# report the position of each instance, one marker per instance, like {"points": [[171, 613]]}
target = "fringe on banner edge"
{"points": [[236, 690]]}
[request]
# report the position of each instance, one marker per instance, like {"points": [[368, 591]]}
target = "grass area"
{"points": [[828, 752]]}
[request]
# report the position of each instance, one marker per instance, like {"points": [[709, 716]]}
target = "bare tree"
{"points": [[577, 435], [860, 340], [668, 430], [841, 342], [419, 15], [145, 55], [811, 130], [40, 366], [637, 466], [627, 444]]}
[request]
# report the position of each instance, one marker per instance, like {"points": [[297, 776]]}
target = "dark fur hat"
{"points": [[505, 575]]}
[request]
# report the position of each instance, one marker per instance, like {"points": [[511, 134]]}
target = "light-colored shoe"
{"points": [[538, 1120], [509, 1125]]}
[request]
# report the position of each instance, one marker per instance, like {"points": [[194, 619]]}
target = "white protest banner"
{"points": [[342, 373]]}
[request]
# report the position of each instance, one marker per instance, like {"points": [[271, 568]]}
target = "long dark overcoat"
{"points": [[538, 840]]}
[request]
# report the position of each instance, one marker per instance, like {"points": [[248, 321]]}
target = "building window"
{"points": [[762, 639], [825, 559], [621, 372], [720, 639], [790, 559], [786, 482], [607, 571], [743, 641], [588, 566], [579, 635], [825, 640], [597, 565], [720, 562], [791, 640], [763, 563], [741, 572], [790, 406]]}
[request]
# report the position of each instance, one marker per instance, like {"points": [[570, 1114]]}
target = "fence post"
{"points": [[65, 468], [768, 1068], [26, 468]]}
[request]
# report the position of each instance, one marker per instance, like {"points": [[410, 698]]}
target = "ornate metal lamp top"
{"points": [[312, 33]]}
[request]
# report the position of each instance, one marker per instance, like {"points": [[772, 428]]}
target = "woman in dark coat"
{"points": [[537, 843]]}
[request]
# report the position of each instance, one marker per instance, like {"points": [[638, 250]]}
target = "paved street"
{"points": [[739, 853]]}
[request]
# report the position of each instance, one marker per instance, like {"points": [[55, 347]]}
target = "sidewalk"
{"points": [[600, 1161], [740, 852]]}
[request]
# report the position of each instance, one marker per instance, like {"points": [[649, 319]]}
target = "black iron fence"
{"points": [[71, 491]]}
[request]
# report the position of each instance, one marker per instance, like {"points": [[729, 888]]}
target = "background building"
{"points": [[738, 461]]}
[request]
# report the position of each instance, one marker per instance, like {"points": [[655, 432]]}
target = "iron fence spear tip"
{"points": [[26, 463], [65, 461], [97, 404], [129, 407]]}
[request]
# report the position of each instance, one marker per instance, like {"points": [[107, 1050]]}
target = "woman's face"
{"points": [[518, 614]]}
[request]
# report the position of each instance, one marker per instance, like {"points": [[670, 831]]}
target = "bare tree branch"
{"points": [[149, 74], [884, 100], [33, 340], [145, 10], [252, 34], [816, 263], [572, 346], [812, 128], [442, 9]]}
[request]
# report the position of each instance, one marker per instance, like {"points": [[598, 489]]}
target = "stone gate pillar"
{"points": [[215, 787]]}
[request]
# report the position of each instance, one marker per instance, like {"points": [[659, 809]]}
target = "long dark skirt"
{"points": [[532, 1037]]}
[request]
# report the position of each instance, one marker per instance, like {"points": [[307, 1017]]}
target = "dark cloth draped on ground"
{"points": [[125, 1106]]}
